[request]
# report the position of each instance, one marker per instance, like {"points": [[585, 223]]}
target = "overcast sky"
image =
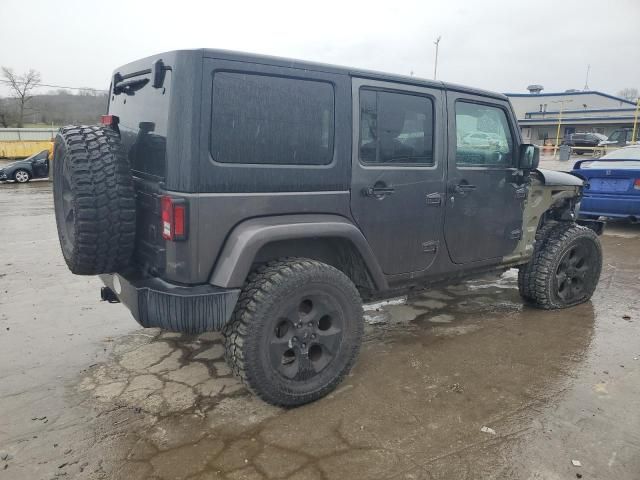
{"points": [[497, 45]]}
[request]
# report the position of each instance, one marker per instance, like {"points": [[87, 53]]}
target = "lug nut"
{"points": [[313, 335], [310, 324], [294, 340]]}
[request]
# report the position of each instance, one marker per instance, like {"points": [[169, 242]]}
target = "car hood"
{"points": [[552, 177]]}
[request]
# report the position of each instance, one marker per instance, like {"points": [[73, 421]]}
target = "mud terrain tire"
{"points": [[565, 268], [94, 200], [525, 272], [295, 332]]}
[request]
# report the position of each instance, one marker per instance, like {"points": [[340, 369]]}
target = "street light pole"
{"points": [[634, 135], [435, 67]]}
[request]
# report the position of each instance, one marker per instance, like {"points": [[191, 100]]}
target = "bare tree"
{"points": [[630, 94], [21, 86], [4, 121]]}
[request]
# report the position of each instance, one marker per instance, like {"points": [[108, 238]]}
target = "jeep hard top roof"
{"points": [[230, 55]]}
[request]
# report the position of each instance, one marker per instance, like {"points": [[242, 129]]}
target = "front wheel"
{"points": [[21, 176], [565, 270], [295, 332]]}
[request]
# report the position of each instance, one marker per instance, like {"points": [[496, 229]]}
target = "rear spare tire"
{"points": [[94, 200]]}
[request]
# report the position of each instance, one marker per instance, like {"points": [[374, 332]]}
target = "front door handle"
{"points": [[378, 192], [464, 188]]}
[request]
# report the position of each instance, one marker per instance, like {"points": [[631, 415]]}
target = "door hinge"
{"points": [[430, 247], [434, 199], [515, 234]]}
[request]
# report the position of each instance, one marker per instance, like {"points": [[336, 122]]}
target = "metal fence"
{"points": [[24, 142]]}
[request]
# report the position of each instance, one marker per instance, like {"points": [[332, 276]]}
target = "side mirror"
{"points": [[529, 157]]}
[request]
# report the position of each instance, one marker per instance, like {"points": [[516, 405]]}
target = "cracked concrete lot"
{"points": [[85, 393]]}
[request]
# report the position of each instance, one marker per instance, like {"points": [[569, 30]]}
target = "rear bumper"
{"points": [[620, 206], [185, 309]]}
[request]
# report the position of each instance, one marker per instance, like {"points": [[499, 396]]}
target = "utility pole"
{"points": [[435, 67], [586, 80], [561, 102]]}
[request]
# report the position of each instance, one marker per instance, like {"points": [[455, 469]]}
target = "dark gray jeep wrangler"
{"points": [[266, 197]]}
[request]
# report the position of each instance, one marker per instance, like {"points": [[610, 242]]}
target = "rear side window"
{"points": [[395, 128], [261, 119]]}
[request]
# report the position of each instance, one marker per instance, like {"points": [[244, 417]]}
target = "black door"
{"points": [[40, 165], [485, 200], [397, 183]]}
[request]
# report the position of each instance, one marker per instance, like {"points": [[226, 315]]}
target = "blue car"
{"points": [[612, 184]]}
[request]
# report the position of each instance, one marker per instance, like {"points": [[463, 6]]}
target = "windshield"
{"points": [[617, 136], [44, 154]]}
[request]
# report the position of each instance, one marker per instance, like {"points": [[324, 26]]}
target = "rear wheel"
{"points": [[21, 176], [565, 269], [296, 331]]}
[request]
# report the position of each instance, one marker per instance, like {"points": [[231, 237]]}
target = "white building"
{"points": [[582, 111]]}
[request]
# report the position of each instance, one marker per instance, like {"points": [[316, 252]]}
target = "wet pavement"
{"points": [[85, 393]]}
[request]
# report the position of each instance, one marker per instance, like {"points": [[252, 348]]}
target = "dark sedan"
{"points": [[36, 166], [612, 184], [585, 142]]}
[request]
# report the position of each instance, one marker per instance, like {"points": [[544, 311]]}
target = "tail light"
{"points": [[636, 184], [174, 218], [109, 120]]}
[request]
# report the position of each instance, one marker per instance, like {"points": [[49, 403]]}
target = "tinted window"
{"points": [[483, 137], [144, 116], [395, 128], [263, 119]]}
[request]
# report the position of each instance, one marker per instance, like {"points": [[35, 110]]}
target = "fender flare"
{"points": [[560, 179], [248, 237]]}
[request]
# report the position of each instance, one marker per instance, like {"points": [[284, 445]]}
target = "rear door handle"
{"points": [[434, 199], [378, 192]]}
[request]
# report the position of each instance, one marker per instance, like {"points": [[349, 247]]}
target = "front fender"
{"points": [[555, 178], [247, 238]]}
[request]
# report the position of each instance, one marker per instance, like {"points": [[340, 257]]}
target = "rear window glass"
{"points": [[261, 119], [629, 153], [612, 165]]}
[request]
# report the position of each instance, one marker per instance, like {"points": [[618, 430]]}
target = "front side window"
{"points": [[483, 137], [261, 119], [395, 128]]}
